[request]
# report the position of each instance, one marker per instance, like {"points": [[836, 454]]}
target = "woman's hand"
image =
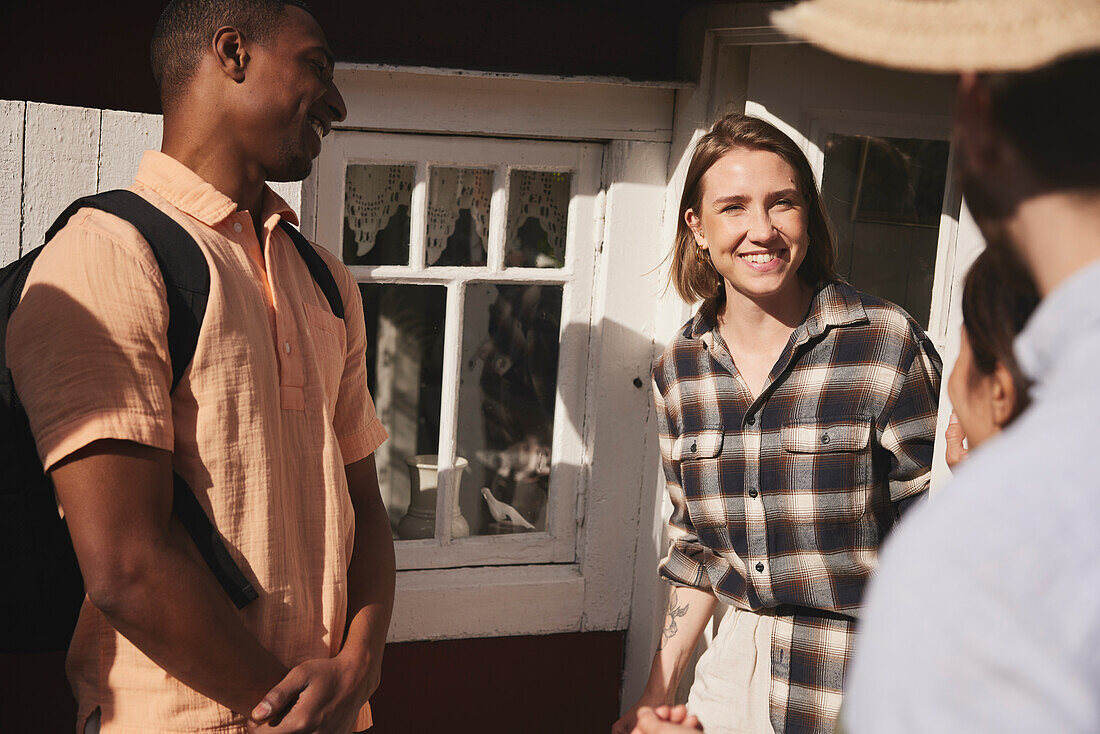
{"points": [[628, 722], [687, 614], [666, 720], [955, 436]]}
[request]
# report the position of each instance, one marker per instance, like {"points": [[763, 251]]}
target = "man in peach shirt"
{"points": [[272, 425]]}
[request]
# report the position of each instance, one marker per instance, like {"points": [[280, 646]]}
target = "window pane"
{"points": [[458, 215], [538, 208], [884, 196], [506, 403], [405, 375], [376, 214]]}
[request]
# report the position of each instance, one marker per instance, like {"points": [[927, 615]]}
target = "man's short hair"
{"points": [[1051, 116], [186, 28]]}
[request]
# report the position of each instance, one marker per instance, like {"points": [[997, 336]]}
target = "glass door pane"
{"points": [[884, 197], [404, 326], [507, 390]]}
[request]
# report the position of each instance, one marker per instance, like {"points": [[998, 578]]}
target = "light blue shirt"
{"points": [[985, 612]]}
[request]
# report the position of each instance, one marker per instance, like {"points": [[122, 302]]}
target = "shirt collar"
{"points": [[184, 189], [834, 304], [1059, 321]]}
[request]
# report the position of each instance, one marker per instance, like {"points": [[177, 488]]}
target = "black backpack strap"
{"points": [[213, 551], [317, 268], [187, 288]]}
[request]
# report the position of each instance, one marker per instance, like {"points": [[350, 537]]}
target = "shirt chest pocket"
{"points": [[701, 477], [830, 461], [329, 339]]}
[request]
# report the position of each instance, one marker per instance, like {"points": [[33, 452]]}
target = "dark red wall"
{"points": [[95, 54], [556, 684]]}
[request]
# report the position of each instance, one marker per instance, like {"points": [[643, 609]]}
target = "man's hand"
{"points": [[322, 696], [666, 720], [955, 436]]}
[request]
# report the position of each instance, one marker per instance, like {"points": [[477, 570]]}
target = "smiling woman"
{"points": [[797, 418]]}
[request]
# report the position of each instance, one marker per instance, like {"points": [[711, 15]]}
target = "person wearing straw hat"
{"points": [[985, 613]]}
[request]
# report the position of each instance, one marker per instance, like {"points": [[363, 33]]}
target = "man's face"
{"points": [[289, 99]]}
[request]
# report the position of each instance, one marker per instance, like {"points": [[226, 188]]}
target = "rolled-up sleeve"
{"points": [[909, 423], [683, 565]]}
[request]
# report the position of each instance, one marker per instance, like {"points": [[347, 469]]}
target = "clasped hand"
{"points": [[321, 696]]}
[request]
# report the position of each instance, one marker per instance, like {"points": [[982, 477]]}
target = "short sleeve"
{"points": [[87, 344], [356, 423]]}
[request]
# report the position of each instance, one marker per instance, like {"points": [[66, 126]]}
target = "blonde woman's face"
{"points": [[753, 222]]}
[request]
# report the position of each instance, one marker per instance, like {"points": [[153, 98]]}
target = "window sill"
{"points": [[487, 602]]}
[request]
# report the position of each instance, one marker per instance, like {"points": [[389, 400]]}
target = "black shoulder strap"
{"points": [[317, 268], [182, 265], [187, 288]]}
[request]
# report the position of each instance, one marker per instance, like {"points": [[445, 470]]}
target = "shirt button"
{"points": [[824, 438], [237, 227], [693, 446], [760, 567], [286, 346], [753, 493], [751, 420]]}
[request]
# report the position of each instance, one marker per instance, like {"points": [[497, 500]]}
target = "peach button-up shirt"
{"points": [[272, 408]]}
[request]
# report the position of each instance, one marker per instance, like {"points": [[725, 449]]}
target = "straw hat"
{"points": [[948, 36]]}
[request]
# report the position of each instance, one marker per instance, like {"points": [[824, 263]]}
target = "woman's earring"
{"points": [[701, 255]]}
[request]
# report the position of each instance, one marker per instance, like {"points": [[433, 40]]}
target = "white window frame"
{"points": [[630, 124], [582, 161]]}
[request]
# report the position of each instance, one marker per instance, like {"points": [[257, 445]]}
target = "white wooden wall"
{"points": [[52, 154]]}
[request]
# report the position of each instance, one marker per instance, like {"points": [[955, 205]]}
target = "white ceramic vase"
{"points": [[419, 521]]}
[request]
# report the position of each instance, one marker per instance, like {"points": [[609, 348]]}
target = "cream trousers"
{"points": [[733, 677]]}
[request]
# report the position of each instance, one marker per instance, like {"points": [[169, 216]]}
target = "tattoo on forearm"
{"points": [[675, 610]]}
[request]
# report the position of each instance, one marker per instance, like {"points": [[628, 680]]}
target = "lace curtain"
{"points": [[375, 192], [544, 196], [451, 190], [373, 195]]}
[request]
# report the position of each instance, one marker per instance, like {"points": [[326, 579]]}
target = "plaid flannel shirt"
{"points": [[781, 502]]}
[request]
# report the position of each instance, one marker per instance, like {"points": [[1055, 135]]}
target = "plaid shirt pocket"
{"points": [[706, 495], [828, 466]]}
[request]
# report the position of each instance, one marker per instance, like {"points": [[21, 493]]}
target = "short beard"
{"points": [[292, 163]]}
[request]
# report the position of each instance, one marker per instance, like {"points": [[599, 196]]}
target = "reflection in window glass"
{"points": [[506, 404], [405, 375], [458, 215], [376, 214], [884, 196], [538, 208]]}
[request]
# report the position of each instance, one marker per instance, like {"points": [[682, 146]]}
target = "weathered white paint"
{"points": [[521, 106], [124, 137], [481, 602], [61, 163], [11, 179], [620, 436]]}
